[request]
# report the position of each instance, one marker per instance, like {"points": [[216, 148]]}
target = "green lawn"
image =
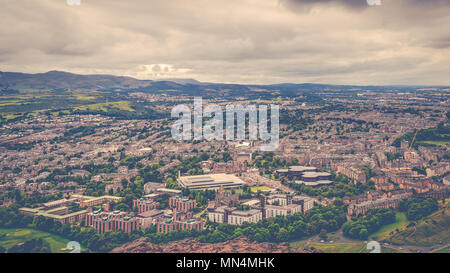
{"points": [[437, 143], [400, 221], [121, 105], [261, 188], [84, 97], [13, 236]]}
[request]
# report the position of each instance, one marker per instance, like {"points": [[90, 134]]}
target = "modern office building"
{"points": [[210, 182], [296, 170], [314, 178], [60, 214], [274, 211], [233, 216]]}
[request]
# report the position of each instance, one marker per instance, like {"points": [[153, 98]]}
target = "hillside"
{"points": [[57, 80], [11, 82], [430, 231], [55, 92]]}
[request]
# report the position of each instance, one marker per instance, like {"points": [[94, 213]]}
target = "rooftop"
{"points": [[211, 181]]}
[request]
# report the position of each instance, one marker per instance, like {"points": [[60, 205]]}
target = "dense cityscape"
{"points": [[348, 163]]}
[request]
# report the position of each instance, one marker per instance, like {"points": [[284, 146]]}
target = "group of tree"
{"points": [[369, 223], [418, 208], [295, 120], [29, 200], [341, 187], [268, 162]]}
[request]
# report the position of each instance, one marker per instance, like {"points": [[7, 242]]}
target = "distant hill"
{"points": [[182, 81], [60, 81]]}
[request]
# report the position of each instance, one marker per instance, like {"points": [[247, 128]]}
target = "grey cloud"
{"points": [[362, 4], [306, 5], [247, 41]]}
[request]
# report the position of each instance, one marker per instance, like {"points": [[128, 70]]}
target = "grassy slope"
{"points": [[382, 233], [430, 231], [15, 236], [121, 105]]}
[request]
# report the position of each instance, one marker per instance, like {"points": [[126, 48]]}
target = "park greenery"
{"points": [[36, 245], [428, 231], [426, 137], [418, 208], [361, 227], [269, 163], [341, 187]]}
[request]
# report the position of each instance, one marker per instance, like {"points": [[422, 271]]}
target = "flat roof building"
{"points": [[210, 182]]}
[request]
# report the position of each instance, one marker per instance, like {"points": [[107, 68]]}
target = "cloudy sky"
{"points": [[238, 41]]}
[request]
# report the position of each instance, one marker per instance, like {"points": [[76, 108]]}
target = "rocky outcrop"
{"points": [[238, 245]]}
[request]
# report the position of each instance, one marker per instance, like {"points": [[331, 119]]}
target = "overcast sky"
{"points": [[238, 41]]}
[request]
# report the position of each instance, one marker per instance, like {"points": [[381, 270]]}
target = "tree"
{"points": [[124, 182], [363, 234], [122, 207], [226, 156], [323, 234], [283, 235]]}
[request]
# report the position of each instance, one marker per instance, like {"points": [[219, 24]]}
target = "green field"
{"points": [[436, 143], [261, 188], [121, 105], [13, 236], [400, 222], [84, 97]]}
